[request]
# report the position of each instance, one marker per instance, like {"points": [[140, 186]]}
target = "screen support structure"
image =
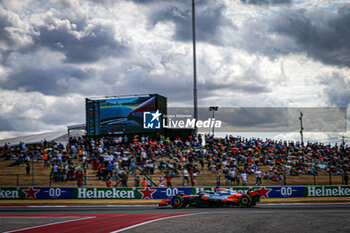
{"points": [[195, 107]]}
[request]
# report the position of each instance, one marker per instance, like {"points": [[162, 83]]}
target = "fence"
{"points": [[178, 181], [33, 192]]}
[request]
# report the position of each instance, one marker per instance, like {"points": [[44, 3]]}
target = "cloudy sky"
{"points": [[250, 53]]}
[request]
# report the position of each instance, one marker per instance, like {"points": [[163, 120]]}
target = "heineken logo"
{"points": [[242, 190], [105, 193], [324, 191], [7, 194]]}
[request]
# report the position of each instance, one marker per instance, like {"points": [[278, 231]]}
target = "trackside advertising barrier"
{"points": [[163, 192]]}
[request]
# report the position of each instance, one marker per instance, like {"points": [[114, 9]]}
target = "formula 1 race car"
{"points": [[220, 198]]}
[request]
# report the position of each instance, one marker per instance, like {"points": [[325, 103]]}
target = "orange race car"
{"points": [[218, 198]]}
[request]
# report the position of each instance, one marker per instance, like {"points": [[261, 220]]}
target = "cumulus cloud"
{"points": [[16, 4], [336, 89], [55, 53], [56, 81], [36, 112], [13, 31], [320, 34], [42, 71], [86, 45], [266, 2], [210, 20]]}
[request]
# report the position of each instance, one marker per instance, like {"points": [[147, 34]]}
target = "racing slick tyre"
{"points": [[245, 201], [177, 202]]}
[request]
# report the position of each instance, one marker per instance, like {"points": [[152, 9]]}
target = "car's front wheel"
{"points": [[177, 202]]}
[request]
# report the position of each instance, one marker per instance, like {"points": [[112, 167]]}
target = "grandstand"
{"points": [[163, 156]]}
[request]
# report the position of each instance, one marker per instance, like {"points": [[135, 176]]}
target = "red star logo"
{"points": [[147, 193], [30, 193], [264, 192]]}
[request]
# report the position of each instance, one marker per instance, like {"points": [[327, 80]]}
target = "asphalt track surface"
{"points": [[131, 219]]}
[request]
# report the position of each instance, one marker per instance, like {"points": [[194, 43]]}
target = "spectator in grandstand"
{"points": [[258, 177], [266, 176], [232, 176], [168, 179], [149, 183], [64, 172], [56, 172], [186, 174], [244, 178], [84, 159], [161, 184], [71, 172], [110, 169], [144, 183], [59, 158], [108, 182], [124, 180], [79, 181], [280, 177], [27, 166], [192, 177], [218, 179], [238, 176], [46, 159]]}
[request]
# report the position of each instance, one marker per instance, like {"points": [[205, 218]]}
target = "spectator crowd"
{"points": [[231, 160]]}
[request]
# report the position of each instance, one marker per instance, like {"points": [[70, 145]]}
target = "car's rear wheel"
{"points": [[177, 202], [245, 201]]}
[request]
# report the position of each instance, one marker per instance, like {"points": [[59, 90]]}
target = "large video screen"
{"points": [[119, 115]]}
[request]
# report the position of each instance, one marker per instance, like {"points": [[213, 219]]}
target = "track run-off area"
{"points": [[284, 217]]}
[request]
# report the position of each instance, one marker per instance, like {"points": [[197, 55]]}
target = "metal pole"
{"points": [[301, 128], [33, 170], [135, 176], [195, 107], [284, 168], [213, 124], [213, 109]]}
